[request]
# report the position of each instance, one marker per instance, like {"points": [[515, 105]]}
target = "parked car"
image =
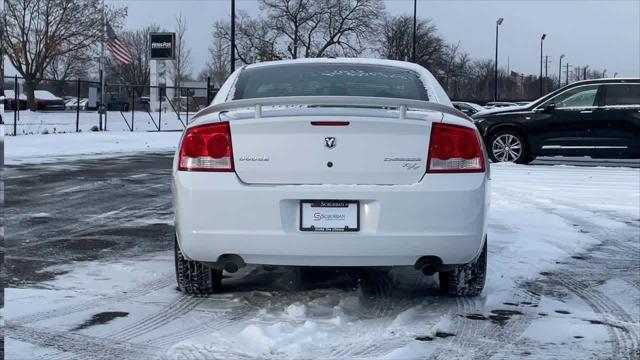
{"points": [[498, 104], [467, 107], [47, 101], [117, 102], [337, 162], [73, 104], [10, 101], [596, 118], [122, 102]]}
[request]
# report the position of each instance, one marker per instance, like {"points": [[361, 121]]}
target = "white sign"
{"points": [[93, 97]]}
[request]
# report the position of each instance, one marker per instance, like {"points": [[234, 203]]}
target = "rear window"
{"points": [[623, 94], [329, 80]]}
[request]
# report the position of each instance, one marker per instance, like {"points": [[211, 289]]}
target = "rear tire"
{"points": [[466, 280], [195, 278], [508, 146]]}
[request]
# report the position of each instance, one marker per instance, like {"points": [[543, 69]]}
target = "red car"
{"points": [[10, 101]]}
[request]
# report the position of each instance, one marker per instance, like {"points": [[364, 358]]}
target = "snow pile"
{"points": [[279, 337]]}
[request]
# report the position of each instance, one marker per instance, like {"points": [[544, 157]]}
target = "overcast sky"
{"points": [[601, 34]]}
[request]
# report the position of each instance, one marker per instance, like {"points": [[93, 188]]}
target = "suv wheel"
{"points": [[468, 279], [194, 277], [508, 146]]}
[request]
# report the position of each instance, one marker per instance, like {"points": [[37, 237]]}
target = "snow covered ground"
{"points": [[50, 122], [563, 282], [57, 147]]}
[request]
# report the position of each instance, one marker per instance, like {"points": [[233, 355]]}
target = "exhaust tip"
{"points": [[231, 267], [429, 265], [230, 263], [429, 270]]}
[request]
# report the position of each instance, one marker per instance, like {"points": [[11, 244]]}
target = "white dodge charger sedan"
{"points": [[331, 162]]}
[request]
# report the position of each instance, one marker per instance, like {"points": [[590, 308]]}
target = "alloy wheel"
{"points": [[506, 148]]}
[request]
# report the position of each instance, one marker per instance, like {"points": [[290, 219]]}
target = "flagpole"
{"points": [[104, 30]]}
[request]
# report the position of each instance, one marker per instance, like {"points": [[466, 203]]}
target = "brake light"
{"points": [[207, 148], [330, 123], [454, 148]]}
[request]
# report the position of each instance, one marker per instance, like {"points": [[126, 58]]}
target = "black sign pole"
{"points": [[133, 106], [78, 107], [233, 35], [16, 105], [160, 109]]}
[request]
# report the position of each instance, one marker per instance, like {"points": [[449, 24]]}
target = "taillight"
{"points": [[454, 148], [207, 148]]}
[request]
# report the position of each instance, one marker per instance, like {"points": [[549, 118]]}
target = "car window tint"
{"points": [[623, 94], [583, 96], [329, 80]]}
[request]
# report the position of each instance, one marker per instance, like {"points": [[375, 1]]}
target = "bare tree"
{"points": [[304, 28], [346, 27], [323, 27], [397, 37], [38, 31], [72, 65], [256, 39], [180, 69], [294, 20], [217, 66], [137, 72]]}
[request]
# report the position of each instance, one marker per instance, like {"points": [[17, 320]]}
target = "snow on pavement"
{"points": [[563, 282]]}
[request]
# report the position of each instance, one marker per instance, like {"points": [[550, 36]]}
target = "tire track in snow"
{"points": [[388, 302], [623, 331], [485, 337], [176, 309], [77, 345], [465, 330], [138, 291], [376, 295], [216, 324]]}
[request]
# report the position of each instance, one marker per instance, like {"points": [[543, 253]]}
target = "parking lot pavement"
{"points": [[85, 210], [90, 273]]}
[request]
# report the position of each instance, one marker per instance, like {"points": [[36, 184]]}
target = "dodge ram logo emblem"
{"points": [[330, 142]]}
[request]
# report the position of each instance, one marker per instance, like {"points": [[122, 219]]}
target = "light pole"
{"points": [[415, 17], [233, 35], [560, 72], [541, 45], [604, 73], [615, 74], [584, 72], [495, 79]]}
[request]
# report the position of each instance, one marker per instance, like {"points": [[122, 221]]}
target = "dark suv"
{"points": [[597, 118]]}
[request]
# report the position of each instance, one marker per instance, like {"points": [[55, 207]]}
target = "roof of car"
{"points": [[367, 61], [605, 80]]}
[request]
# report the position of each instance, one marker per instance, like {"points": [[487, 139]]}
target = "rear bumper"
{"points": [[443, 215]]}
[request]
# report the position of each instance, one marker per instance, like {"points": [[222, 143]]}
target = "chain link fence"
{"points": [[62, 106]]}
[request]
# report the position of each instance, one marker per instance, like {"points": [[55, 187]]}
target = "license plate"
{"points": [[329, 215]]}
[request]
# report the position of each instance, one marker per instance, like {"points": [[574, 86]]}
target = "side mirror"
{"points": [[549, 108]]}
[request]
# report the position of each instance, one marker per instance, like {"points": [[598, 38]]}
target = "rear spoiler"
{"points": [[369, 101]]}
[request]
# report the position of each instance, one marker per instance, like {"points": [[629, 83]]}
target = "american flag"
{"points": [[117, 47]]}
